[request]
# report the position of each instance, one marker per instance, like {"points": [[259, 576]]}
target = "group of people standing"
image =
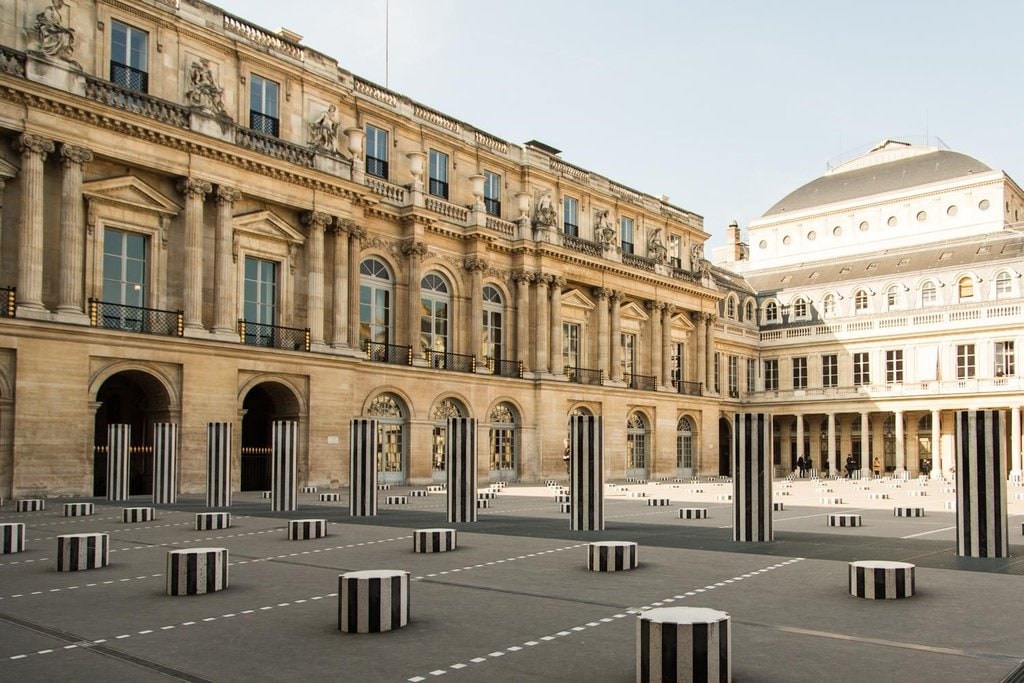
{"points": [[805, 465]]}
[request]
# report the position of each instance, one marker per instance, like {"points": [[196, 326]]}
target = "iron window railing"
{"points": [[585, 375], [492, 207], [688, 388], [114, 316], [129, 77], [505, 368], [262, 123], [644, 382], [571, 229], [7, 308], [456, 362], [273, 336], [378, 168], [387, 353], [439, 188]]}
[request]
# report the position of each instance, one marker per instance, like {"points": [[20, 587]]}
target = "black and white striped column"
{"points": [[194, 571], [434, 540], [683, 644], [12, 537], [362, 467], [284, 441], [165, 463], [77, 552], [373, 601], [218, 469], [586, 473], [79, 509], [752, 477], [306, 529], [460, 447], [981, 529], [119, 439], [132, 515], [612, 556]]}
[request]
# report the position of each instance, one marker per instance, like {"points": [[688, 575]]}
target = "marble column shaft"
{"points": [[317, 222], [224, 305], [355, 247], [543, 329], [71, 232], [616, 337], [602, 330], [195, 191], [33, 151], [522, 281], [557, 359]]}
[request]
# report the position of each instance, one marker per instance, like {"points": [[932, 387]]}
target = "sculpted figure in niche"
{"points": [[655, 249], [323, 130], [546, 215], [603, 230], [696, 256], [55, 39], [203, 92]]}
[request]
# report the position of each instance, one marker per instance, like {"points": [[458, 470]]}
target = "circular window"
{"points": [[763, 244], [811, 235], [983, 204], [951, 211], [787, 239], [837, 231], [922, 216], [863, 226], [891, 221]]}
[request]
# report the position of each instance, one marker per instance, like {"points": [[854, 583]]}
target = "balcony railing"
{"points": [[394, 354], [129, 77], [456, 362], [582, 245], [273, 336], [642, 382], [114, 316], [585, 376], [273, 146], [135, 102], [637, 261], [7, 308], [438, 188], [688, 388], [377, 167], [492, 207], [263, 123], [505, 368]]}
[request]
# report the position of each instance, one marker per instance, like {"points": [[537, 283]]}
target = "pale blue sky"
{"points": [[725, 106]]}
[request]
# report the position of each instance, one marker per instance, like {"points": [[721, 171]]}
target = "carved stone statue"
{"points": [[603, 230], [203, 93], [655, 249], [546, 216], [323, 131], [55, 39], [696, 256]]}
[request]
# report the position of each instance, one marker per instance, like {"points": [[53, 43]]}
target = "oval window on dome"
{"points": [[983, 205], [863, 226], [951, 210], [922, 216], [763, 244], [811, 236], [892, 221], [837, 231]]}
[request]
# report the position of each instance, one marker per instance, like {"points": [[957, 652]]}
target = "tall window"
{"points": [[260, 300], [124, 277], [860, 301], [263, 97], [684, 443], [628, 355], [636, 441], [965, 361], [800, 372], [570, 216], [492, 194], [390, 435], [503, 438], [626, 230], [894, 366], [830, 370], [749, 314], [771, 374], [571, 345], [929, 294], [438, 174], [730, 308], [965, 288], [376, 291], [376, 152], [445, 409], [677, 364], [733, 379], [861, 369], [771, 312], [828, 305], [718, 372], [892, 297], [1005, 359], [675, 251], [800, 308], [493, 338], [129, 57], [1004, 285], [435, 304], [751, 374]]}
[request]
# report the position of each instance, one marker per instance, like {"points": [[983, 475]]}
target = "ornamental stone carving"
{"points": [[546, 217], [316, 219], [54, 37], [194, 186], [474, 263], [603, 230], [203, 92], [227, 195], [417, 249], [655, 248], [71, 155], [323, 131], [27, 143]]}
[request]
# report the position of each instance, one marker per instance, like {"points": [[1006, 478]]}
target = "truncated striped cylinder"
{"points": [[693, 513], [266, 495], [206, 521], [482, 503], [396, 500], [194, 571], [79, 509], [307, 489], [119, 439], [373, 601], [565, 508], [486, 495], [362, 467], [683, 644], [908, 512], [844, 520], [778, 507], [12, 537], [77, 552], [387, 487], [218, 468], [460, 453], [330, 497], [586, 473], [130, 515], [563, 498], [752, 477], [165, 463], [612, 556], [881, 580], [658, 502], [31, 505], [878, 496], [419, 493], [284, 444], [434, 540], [981, 525], [306, 529]]}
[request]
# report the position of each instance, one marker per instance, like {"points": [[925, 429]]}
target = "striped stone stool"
{"points": [[482, 503], [551, 482], [636, 494], [683, 644], [658, 502], [434, 540], [194, 571], [949, 505], [612, 556], [562, 498], [436, 489], [77, 552], [695, 491], [693, 513], [778, 507], [266, 495], [207, 521], [306, 529], [486, 495], [565, 508], [130, 515], [396, 500], [12, 537], [844, 520], [881, 580], [418, 493], [31, 505], [831, 501], [307, 489], [878, 496], [917, 493], [499, 484], [724, 497], [79, 509], [383, 487], [948, 489], [908, 512], [783, 493], [330, 497], [823, 489], [373, 601]]}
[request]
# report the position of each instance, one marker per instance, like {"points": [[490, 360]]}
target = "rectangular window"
{"points": [[830, 370], [376, 152], [677, 364], [492, 194], [570, 216], [894, 367], [628, 355], [751, 375], [771, 374], [571, 345], [718, 373], [733, 377], [861, 369], [129, 57], [626, 232], [124, 279], [675, 254], [800, 372], [438, 174], [1005, 359], [263, 96], [260, 305], [965, 361]]}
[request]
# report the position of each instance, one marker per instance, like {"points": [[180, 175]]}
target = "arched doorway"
{"points": [[724, 447], [503, 443], [638, 437], [263, 404], [445, 408], [685, 447], [391, 437]]}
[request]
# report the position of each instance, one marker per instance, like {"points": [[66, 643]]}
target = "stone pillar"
{"points": [[225, 309], [522, 281], [865, 444], [752, 477], [317, 222], [218, 464], [981, 529], [460, 455], [666, 345], [557, 359], [195, 191], [800, 436], [833, 455], [901, 452], [165, 463], [654, 312], [362, 477], [586, 473], [699, 341], [1015, 436], [542, 327], [119, 439], [476, 268], [30, 225], [71, 232], [938, 457], [616, 337], [709, 349], [339, 287], [414, 251], [355, 247], [284, 454], [602, 295]]}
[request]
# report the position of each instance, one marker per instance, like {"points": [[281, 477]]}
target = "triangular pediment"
{"points": [[268, 225], [576, 298], [681, 321], [7, 169], [632, 310], [132, 192]]}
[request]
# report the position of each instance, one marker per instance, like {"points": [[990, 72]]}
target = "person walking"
{"points": [[851, 465]]}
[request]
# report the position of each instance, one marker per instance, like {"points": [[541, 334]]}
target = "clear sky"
{"points": [[724, 105]]}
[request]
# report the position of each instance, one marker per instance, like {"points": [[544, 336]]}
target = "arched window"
{"points": [[684, 443], [749, 315], [800, 308], [391, 417], [828, 305], [636, 442], [771, 312], [1004, 285], [376, 292], [965, 288], [892, 297], [435, 307], [929, 293], [492, 340], [503, 441], [860, 301], [444, 409], [730, 308]]}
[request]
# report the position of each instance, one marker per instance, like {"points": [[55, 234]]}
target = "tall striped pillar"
{"points": [[119, 439], [218, 468], [362, 467], [586, 473], [460, 453], [981, 529], [752, 477], [282, 483], [165, 463]]}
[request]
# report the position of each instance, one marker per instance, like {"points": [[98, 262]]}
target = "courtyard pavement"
{"points": [[515, 601]]}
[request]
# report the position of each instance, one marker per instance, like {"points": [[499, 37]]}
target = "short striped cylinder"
{"points": [[917, 493], [612, 556], [266, 495], [460, 462], [695, 491], [949, 505], [752, 472], [948, 489], [307, 489], [207, 521], [822, 489], [551, 482], [373, 601], [980, 484], [418, 493], [724, 497], [485, 495], [908, 512], [77, 552], [844, 520], [306, 529], [830, 501], [79, 509], [218, 464], [383, 487], [330, 497], [396, 500], [31, 505], [499, 484], [778, 507], [563, 498], [12, 537], [284, 445], [362, 468], [658, 502], [194, 571], [165, 463], [878, 496], [132, 515], [783, 493], [434, 540], [565, 508], [586, 473], [683, 644], [482, 503], [119, 439], [436, 488], [636, 494], [693, 513], [881, 580]]}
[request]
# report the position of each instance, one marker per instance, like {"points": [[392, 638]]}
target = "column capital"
{"points": [[414, 249], [28, 144], [710, 317], [617, 297], [559, 281], [227, 195], [316, 219], [191, 187], [543, 279], [522, 278], [668, 309], [601, 293], [74, 155], [475, 264]]}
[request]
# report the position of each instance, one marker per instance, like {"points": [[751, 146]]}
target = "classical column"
{"points": [[362, 479], [557, 359], [224, 308], [709, 365], [522, 281], [339, 286], [476, 267], [654, 309], [901, 453], [700, 340], [30, 229], [317, 222], [218, 464], [356, 234], [195, 190], [71, 233], [1015, 458], [602, 295], [941, 466], [616, 337], [284, 453], [832, 454], [414, 251], [586, 473], [981, 524], [165, 463], [543, 330], [800, 436], [865, 444], [666, 345], [752, 477]]}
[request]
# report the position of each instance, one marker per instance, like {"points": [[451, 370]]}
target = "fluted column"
{"points": [[476, 268], [414, 251], [355, 247], [666, 344], [557, 359], [602, 295], [701, 340], [901, 453], [654, 312], [339, 286], [865, 443], [937, 457], [195, 191], [799, 436], [832, 454], [1015, 435], [522, 281], [709, 366], [71, 233], [225, 309], [33, 151], [542, 327], [317, 222], [616, 337]]}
